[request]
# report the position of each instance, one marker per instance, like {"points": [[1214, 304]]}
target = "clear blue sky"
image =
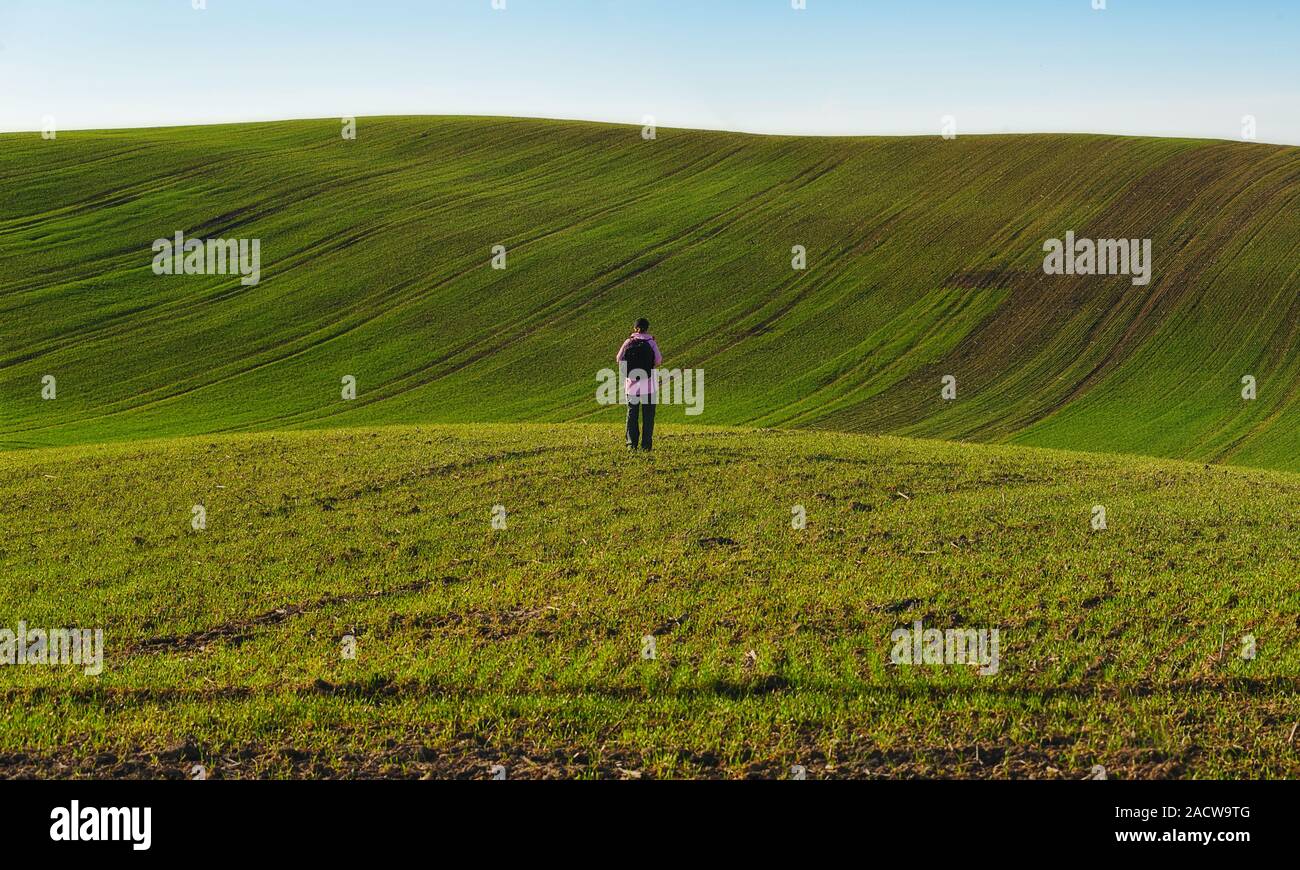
{"points": [[1161, 67]]}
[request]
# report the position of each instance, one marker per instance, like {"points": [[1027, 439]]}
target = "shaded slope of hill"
{"points": [[924, 260]]}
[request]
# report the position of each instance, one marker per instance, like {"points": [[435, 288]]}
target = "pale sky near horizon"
{"points": [[1159, 67]]}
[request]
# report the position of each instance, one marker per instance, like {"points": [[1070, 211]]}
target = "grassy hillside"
{"points": [[523, 645], [924, 260]]}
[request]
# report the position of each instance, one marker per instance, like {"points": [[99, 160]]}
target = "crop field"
{"points": [[461, 572], [924, 259], [523, 645]]}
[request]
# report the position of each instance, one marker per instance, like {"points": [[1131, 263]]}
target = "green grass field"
{"points": [[522, 646], [924, 259]]}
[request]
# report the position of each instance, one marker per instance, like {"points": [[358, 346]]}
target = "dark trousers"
{"points": [[644, 433]]}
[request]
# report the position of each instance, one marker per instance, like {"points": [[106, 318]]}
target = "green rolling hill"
{"points": [[772, 565], [924, 259]]}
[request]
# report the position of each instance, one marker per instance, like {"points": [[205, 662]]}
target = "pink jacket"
{"points": [[635, 387]]}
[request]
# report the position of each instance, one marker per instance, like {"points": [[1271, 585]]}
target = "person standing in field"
{"points": [[638, 358]]}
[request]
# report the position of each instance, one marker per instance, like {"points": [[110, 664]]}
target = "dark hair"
{"points": [[642, 325]]}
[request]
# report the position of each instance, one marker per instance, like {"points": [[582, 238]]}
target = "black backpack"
{"points": [[639, 356]]}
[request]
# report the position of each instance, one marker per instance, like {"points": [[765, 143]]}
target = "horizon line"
{"points": [[658, 126]]}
